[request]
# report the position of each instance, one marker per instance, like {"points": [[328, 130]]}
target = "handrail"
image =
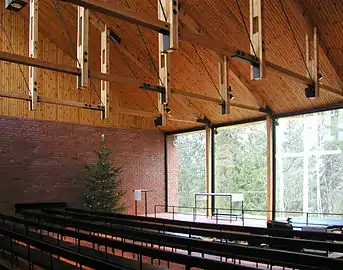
{"points": [[276, 257], [223, 227], [288, 243]]}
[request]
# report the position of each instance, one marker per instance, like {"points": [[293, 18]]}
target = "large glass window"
{"points": [[309, 162], [186, 168], [240, 166]]}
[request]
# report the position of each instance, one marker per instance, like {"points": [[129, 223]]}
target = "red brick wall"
{"points": [[44, 161], [173, 177]]}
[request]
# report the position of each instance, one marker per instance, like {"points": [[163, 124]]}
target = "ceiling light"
{"points": [[320, 77], [168, 110], [15, 5]]}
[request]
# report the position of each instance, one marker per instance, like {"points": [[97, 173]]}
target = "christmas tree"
{"points": [[102, 183]]}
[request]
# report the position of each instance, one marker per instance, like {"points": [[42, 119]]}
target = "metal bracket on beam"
{"points": [[223, 83], [82, 46], [33, 51], [256, 37], [205, 121], [154, 88], [105, 68], [313, 63]]}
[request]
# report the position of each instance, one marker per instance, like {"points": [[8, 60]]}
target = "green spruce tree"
{"points": [[102, 183]]}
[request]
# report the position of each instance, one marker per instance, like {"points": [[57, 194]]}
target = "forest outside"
{"points": [[309, 171], [309, 158]]}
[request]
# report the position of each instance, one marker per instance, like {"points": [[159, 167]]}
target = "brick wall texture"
{"points": [[44, 161]]}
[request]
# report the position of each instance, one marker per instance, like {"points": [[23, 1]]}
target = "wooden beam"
{"points": [[33, 52], [312, 61], [223, 83], [29, 61], [164, 80], [82, 46], [196, 96], [184, 120], [137, 113], [288, 73], [70, 103], [204, 41], [168, 12], [186, 35], [191, 24], [257, 37], [216, 100], [105, 69], [270, 163], [315, 67], [306, 24], [247, 107], [244, 82], [125, 14]]}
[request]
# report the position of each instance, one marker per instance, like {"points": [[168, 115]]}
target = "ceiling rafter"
{"points": [[306, 23], [99, 24], [193, 25]]}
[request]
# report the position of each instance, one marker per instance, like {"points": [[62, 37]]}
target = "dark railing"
{"points": [[255, 254], [288, 243], [127, 220], [243, 214]]}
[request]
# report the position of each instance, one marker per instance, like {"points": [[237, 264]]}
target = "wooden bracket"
{"points": [[82, 46], [223, 83], [164, 81], [167, 11], [313, 63], [257, 37], [105, 68], [33, 53]]}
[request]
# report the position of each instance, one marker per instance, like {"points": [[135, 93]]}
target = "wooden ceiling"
{"points": [[221, 21]]}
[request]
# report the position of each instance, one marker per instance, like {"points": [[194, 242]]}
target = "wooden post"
{"points": [[313, 62], [167, 11], [105, 68], [270, 166], [223, 83], [33, 52], [82, 46], [164, 81], [257, 37], [315, 68], [208, 170]]}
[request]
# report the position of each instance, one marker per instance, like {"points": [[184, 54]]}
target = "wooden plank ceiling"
{"points": [[221, 20]]}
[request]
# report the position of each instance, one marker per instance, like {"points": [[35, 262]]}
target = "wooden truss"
{"points": [[82, 46], [223, 83], [197, 39], [313, 62], [167, 43], [105, 69], [33, 52], [256, 37]]}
